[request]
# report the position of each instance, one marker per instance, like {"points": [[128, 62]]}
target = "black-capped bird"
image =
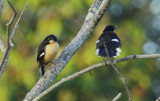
{"points": [[47, 51], [110, 40]]}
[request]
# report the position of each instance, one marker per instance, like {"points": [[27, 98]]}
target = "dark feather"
{"points": [[41, 49], [106, 37], [41, 70]]}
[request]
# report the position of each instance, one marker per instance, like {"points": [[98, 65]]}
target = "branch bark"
{"points": [[9, 45], [7, 50], [88, 69], [2, 46], [93, 17]]}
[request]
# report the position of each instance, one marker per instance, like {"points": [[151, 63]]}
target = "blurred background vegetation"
{"points": [[139, 31]]}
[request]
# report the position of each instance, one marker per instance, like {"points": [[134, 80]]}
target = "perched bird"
{"points": [[47, 51], [110, 40]]}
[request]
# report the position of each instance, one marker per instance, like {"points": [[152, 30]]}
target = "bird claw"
{"points": [[56, 71]]}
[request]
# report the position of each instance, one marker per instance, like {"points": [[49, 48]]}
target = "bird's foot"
{"points": [[56, 71]]}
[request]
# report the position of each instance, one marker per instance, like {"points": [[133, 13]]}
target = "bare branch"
{"points": [[2, 46], [67, 79], [7, 50], [4, 61], [1, 8], [131, 57], [88, 69], [9, 46], [17, 23], [14, 10], [117, 97], [115, 68], [94, 15], [9, 24]]}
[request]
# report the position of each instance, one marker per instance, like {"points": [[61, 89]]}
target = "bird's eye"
{"points": [[48, 38]]}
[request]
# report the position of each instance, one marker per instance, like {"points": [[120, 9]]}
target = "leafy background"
{"points": [[139, 28]]}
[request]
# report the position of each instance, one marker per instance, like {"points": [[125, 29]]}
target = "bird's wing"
{"points": [[115, 42], [104, 38], [41, 51]]}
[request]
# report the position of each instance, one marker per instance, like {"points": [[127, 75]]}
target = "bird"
{"points": [[111, 41], [47, 51]]}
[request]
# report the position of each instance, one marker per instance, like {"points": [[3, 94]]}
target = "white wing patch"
{"points": [[97, 51], [115, 40], [97, 41], [42, 54]]}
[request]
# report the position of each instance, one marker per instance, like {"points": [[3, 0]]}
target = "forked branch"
{"points": [[88, 69], [121, 76], [9, 37]]}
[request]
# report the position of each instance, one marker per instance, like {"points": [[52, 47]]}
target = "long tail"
{"points": [[41, 70]]}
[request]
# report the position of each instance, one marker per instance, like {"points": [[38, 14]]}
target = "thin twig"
{"points": [[15, 11], [117, 97], [17, 23], [2, 46], [115, 68], [4, 61], [8, 30], [9, 24], [88, 69], [1, 8], [9, 43]]}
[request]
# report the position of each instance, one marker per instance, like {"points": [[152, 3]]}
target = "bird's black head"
{"points": [[110, 28], [51, 37]]}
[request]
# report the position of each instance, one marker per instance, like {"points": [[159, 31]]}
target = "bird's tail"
{"points": [[41, 70]]}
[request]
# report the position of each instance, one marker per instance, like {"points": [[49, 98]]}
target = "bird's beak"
{"points": [[115, 27]]}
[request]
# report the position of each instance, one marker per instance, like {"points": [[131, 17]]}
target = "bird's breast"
{"points": [[51, 52]]}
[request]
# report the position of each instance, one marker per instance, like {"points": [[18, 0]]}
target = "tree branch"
{"points": [[94, 15], [9, 45], [2, 46], [9, 24], [88, 69], [17, 23], [121, 76], [7, 50]]}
